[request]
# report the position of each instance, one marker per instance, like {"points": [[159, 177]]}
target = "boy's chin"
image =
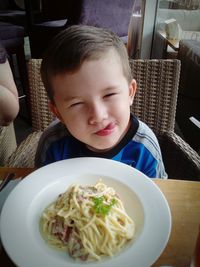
{"points": [[102, 149]]}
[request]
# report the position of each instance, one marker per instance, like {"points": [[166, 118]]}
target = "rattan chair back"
{"points": [[156, 96], [40, 113]]}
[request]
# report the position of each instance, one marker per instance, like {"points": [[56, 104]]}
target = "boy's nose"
{"points": [[97, 113]]}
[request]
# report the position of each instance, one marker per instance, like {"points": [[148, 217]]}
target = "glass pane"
{"points": [[176, 20], [177, 35]]}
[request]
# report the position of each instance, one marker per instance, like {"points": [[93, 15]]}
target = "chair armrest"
{"points": [[7, 143], [181, 161], [24, 155]]}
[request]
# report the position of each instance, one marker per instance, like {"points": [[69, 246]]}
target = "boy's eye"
{"points": [[109, 95], [76, 104]]}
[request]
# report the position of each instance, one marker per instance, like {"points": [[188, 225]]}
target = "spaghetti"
{"points": [[87, 221]]}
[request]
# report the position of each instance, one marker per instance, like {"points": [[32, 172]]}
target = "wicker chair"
{"points": [[7, 142], [155, 104]]}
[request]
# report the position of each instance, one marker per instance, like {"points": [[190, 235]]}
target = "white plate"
{"points": [[143, 200]]}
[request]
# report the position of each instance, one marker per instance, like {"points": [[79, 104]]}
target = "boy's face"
{"points": [[94, 102]]}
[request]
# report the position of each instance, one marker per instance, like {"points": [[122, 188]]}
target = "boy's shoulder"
{"points": [[144, 130], [146, 137], [55, 129], [52, 134], [145, 143]]}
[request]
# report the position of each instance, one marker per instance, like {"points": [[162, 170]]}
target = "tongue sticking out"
{"points": [[107, 130]]}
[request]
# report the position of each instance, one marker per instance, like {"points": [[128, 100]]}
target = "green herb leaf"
{"points": [[102, 208]]}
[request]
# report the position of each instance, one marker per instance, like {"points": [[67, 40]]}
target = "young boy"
{"points": [[88, 79]]}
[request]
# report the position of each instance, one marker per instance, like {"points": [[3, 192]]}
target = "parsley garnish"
{"points": [[100, 207]]}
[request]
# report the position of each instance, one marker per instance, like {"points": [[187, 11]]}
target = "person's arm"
{"points": [[9, 103]]}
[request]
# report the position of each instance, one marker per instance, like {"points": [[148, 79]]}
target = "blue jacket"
{"points": [[138, 148]]}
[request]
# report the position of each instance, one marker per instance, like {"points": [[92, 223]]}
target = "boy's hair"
{"points": [[76, 44]]}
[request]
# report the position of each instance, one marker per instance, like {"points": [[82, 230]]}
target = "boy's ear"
{"points": [[55, 111], [132, 90]]}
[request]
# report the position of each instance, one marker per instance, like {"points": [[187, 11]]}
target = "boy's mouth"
{"points": [[107, 130]]}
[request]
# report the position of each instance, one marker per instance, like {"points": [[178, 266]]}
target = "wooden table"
{"points": [[184, 201]]}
